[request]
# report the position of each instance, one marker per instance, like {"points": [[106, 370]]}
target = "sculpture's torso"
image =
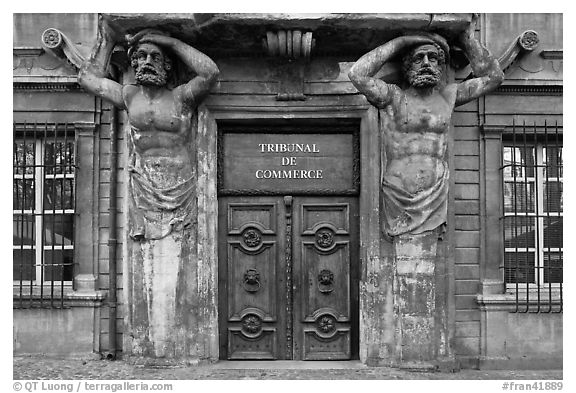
{"points": [[415, 140], [161, 135]]}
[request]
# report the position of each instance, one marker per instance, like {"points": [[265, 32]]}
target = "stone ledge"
{"points": [[70, 297], [508, 301], [517, 363]]}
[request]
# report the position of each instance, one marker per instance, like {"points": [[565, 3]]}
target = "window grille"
{"points": [[533, 217], [43, 214]]}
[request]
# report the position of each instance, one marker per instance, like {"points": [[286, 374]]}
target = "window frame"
{"points": [[540, 180], [39, 212], [84, 289], [494, 293]]}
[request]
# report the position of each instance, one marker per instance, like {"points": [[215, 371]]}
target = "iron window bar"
{"points": [[44, 208], [540, 277]]}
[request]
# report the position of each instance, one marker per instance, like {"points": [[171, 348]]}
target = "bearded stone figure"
{"points": [[417, 121], [161, 271], [161, 170]]}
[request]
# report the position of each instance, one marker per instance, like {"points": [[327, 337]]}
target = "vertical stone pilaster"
{"points": [[377, 316], [84, 250]]}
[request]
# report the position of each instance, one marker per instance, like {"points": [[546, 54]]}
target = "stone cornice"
{"points": [[27, 51], [80, 127], [552, 54], [532, 89], [46, 84]]}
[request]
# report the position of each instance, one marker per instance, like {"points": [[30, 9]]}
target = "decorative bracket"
{"points": [[60, 46], [525, 42], [291, 77], [291, 44]]}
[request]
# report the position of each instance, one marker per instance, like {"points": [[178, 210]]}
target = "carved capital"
{"points": [[492, 131]]}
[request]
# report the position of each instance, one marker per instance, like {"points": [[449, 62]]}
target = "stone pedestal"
{"points": [[420, 283], [161, 306]]}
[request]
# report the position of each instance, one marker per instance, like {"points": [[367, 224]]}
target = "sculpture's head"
{"points": [[150, 61], [423, 65]]}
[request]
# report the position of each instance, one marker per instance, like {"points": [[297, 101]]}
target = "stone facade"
{"points": [[264, 82]]}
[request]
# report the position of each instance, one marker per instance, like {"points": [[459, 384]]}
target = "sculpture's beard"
{"points": [[424, 77], [149, 76]]}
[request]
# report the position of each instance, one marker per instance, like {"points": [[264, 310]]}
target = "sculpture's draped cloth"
{"points": [[161, 190], [407, 212]]}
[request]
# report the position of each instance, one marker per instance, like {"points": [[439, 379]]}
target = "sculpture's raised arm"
{"points": [[205, 69], [362, 72], [93, 73], [486, 69]]}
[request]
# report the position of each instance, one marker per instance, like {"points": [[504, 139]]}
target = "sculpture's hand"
{"points": [[108, 32], [468, 34], [436, 38], [425, 37], [419, 39], [93, 75], [158, 39], [152, 37], [487, 71]]}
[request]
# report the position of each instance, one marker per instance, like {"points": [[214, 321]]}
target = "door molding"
{"points": [[374, 284]]}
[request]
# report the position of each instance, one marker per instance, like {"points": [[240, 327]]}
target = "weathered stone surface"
{"points": [[243, 33], [169, 307], [420, 317], [40, 367], [415, 121]]}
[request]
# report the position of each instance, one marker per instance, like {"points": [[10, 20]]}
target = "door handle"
{"points": [[251, 282], [325, 281]]}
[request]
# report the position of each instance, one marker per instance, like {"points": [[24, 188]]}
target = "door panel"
{"points": [[251, 244], [288, 277], [326, 252]]}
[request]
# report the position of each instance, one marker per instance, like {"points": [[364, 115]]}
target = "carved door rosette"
{"points": [[251, 325], [251, 238], [325, 238], [325, 323]]}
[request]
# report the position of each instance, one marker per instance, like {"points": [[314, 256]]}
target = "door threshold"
{"points": [[288, 364]]}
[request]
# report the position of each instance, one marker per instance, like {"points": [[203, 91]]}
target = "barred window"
{"points": [[43, 209], [533, 210]]}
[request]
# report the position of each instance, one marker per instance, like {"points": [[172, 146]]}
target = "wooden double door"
{"points": [[288, 277]]}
